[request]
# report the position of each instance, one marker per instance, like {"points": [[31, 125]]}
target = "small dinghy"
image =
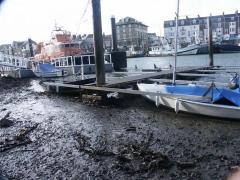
{"points": [[211, 101]]}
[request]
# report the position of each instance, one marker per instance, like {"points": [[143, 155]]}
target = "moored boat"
{"points": [[203, 100], [66, 56]]}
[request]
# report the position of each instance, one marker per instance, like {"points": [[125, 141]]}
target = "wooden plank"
{"points": [[196, 75], [211, 70], [137, 92], [134, 72], [61, 85], [189, 82], [219, 71], [132, 79], [128, 91]]}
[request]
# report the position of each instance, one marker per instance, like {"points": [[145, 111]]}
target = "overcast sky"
{"points": [[21, 19]]}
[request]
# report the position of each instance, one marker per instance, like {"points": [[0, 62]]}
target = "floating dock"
{"points": [[119, 84]]}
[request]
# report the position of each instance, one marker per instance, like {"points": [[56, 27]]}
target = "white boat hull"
{"points": [[49, 74], [206, 109]]}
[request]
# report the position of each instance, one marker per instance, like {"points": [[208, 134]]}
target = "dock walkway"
{"points": [[118, 84]]}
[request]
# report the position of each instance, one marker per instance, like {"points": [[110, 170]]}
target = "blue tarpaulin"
{"points": [[45, 68], [216, 94]]}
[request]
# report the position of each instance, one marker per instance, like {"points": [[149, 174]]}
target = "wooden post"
{"points": [[98, 42], [114, 34], [210, 42], [30, 47]]}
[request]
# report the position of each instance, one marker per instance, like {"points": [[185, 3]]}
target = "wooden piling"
{"points": [[30, 47], [114, 34], [98, 43], [210, 42]]}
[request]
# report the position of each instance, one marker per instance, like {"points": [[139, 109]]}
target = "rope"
{"points": [[83, 15]]}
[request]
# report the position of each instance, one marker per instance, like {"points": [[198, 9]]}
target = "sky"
{"points": [[22, 19]]}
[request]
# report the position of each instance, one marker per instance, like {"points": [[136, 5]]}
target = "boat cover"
{"points": [[46, 68], [215, 93]]}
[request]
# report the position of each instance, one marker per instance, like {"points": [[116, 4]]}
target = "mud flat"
{"points": [[51, 136]]}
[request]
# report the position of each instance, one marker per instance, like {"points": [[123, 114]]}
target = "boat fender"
{"points": [[157, 100], [176, 106]]}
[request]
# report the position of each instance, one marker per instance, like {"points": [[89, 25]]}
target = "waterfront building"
{"points": [[87, 43], [132, 34], [153, 40], [225, 27], [107, 42], [19, 48]]}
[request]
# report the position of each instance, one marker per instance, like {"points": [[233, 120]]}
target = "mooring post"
{"points": [[30, 47], [98, 42], [114, 34], [210, 42]]}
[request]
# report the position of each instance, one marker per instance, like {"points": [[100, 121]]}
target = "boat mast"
{"points": [[176, 38]]}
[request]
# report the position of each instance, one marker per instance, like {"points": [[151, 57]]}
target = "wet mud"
{"points": [[49, 136]]}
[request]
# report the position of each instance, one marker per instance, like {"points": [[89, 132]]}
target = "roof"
{"points": [[129, 20], [202, 20]]}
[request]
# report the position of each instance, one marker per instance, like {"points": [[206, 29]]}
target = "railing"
{"points": [[13, 61], [67, 61]]}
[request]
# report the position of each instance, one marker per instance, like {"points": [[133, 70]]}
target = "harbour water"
{"points": [[195, 60]]}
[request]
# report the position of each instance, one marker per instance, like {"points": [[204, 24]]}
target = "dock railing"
{"points": [[78, 61], [13, 61]]}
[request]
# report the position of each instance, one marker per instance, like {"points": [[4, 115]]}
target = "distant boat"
{"points": [[133, 52], [221, 48], [196, 49], [192, 49]]}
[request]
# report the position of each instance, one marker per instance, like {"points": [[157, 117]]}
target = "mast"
{"points": [[176, 38]]}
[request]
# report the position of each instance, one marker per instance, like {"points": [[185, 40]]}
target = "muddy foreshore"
{"points": [[59, 137]]}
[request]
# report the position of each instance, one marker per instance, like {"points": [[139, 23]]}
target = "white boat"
{"points": [[183, 101], [192, 49]]}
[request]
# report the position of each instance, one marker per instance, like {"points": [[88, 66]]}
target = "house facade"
{"points": [[225, 27], [132, 34]]}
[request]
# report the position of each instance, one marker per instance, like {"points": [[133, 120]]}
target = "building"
{"points": [[153, 40], [225, 27], [19, 48], [107, 42], [132, 34], [86, 44]]}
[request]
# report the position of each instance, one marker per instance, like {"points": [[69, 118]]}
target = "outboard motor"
{"points": [[234, 81]]}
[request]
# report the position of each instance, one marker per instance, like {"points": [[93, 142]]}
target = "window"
{"points": [[171, 23], [232, 18], [182, 22], [194, 21], [219, 19]]}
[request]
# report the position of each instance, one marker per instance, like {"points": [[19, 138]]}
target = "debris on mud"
{"points": [[19, 139], [120, 139], [130, 158], [138, 159], [9, 82], [5, 121]]}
